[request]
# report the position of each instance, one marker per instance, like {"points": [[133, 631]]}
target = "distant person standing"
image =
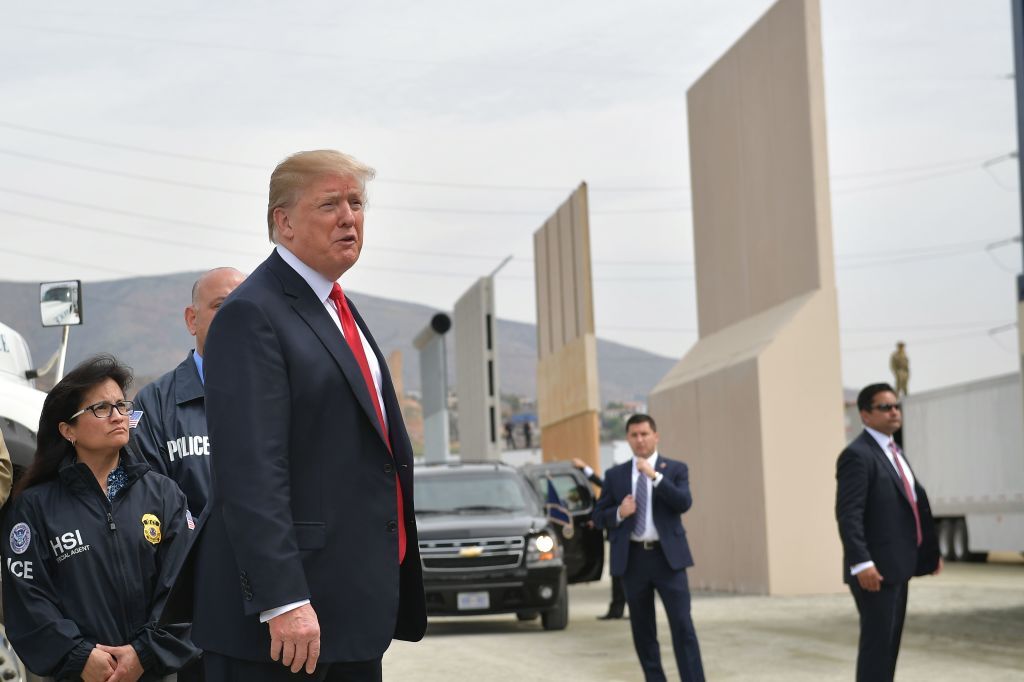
{"points": [[527, 434], [510, 441], [171, 411], [899, 363], [617, 606], [641, 505], [887, 531]]}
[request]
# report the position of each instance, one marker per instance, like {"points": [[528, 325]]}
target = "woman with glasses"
{"points": [[92, 542]]}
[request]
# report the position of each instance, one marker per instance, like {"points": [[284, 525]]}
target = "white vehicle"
{"points": [[966, 443], [21, 404]]}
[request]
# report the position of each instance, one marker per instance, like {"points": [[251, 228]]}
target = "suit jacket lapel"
{"points": [[313, 312], [886, 465]]}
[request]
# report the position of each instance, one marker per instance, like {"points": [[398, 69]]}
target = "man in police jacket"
{"points": [[171, 411], [308, 557]]}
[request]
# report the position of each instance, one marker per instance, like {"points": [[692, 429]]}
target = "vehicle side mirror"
{"points": [[60, 303]]}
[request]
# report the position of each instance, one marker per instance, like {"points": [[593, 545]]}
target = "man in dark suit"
{"points": [[641, 504], [309, 553], [887, 531]]}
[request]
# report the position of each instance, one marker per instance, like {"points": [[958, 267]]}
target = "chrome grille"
{"points": [[472, 554]]}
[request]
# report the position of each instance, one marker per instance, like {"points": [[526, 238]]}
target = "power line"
{"points": [[962, 164]]}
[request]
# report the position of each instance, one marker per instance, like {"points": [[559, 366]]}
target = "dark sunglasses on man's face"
{"points": [[887, 407]]}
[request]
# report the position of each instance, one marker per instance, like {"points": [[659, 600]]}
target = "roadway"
{"points": [[967, 623]]}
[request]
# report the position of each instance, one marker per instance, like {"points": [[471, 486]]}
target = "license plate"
{"points": [[469, 601]]}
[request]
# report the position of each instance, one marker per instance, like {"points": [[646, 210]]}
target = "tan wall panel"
{"points": [[755, 160], [577, 436], [713, 425], [583, 288], [567, 381], [803, 433], [541, 274], [740, 405]]}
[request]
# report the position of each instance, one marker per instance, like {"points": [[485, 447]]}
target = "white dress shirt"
{"points": [[650, 532], [322, 287], [885, 442]]}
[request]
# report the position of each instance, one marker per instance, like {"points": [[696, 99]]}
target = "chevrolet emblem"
{"points": [[471, 552]]}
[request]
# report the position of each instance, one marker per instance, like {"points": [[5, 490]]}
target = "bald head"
{"points": [[208, 293]]}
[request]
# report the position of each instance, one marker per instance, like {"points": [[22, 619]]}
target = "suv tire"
{"points": [[557, 617]]}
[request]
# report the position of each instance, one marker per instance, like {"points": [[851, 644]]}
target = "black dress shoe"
{"points": [[611, 616]]}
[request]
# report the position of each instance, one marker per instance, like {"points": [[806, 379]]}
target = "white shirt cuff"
{"points": [[273, 613], [857, 568], [588, 471], [657, 479]]}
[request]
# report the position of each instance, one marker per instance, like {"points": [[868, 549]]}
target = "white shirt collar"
{"points": [[882, 439], [653, 459], [320, 285]]}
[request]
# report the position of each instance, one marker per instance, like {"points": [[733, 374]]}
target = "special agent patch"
{"points": [[151, 528], [21, 538]]}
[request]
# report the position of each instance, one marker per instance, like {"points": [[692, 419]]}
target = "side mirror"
{"points": [[60, 303]]}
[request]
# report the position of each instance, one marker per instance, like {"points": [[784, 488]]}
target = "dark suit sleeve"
{"points": [[247, 404], [674, 489], [606, 508], [596, 480], [852, 481]]}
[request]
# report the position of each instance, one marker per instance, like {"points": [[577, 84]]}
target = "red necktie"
{"points": [[355, 343], [906, 488]]}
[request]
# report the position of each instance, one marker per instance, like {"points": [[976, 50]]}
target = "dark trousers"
{"points": [[618, 603], [646, 572], [881, 627], [220, 668]]}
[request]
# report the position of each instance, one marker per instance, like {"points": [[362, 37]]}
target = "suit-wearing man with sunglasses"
{"points": [[886, 527]]}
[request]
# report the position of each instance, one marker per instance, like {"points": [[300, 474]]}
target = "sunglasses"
{"points": [[887, 407]]}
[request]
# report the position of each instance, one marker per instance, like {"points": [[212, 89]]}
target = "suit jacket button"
{"points": [[388, 468], [392, 526]]}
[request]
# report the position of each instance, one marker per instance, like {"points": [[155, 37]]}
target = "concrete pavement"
{"points": [[966, 624]]}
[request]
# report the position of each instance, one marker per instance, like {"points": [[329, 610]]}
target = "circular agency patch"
{"points": [[21, 538]]}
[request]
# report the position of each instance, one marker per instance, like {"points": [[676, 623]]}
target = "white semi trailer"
{"points": [[966, 443]]}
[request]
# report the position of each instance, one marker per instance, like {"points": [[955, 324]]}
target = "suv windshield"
{"points": [[470, 494]]}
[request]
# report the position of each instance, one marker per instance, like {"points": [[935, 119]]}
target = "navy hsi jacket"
{"points": [[172, 431], [80, 570]]}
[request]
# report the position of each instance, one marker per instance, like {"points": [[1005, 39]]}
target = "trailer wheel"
{"points": [[961, 546], [945, 533]]}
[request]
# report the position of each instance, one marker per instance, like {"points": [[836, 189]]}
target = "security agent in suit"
{"points": [[887, 531], [649, 548], [617, 606], [305, 559]]}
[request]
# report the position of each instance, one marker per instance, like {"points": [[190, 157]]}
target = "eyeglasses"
{"points": [[104, 410], [887, 407]]}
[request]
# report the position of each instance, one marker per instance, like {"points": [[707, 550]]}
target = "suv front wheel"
{"points": [[557, 617]]}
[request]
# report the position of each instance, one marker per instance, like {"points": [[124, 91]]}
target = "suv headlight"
{"points": [[543, 548]]}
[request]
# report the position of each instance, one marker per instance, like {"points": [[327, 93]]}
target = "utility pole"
{"points": [[1018, 73]]}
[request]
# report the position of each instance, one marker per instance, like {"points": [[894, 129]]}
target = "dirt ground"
{"points": [[966, 624]]}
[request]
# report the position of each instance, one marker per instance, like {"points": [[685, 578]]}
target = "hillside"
{"points": [[140, 321]]}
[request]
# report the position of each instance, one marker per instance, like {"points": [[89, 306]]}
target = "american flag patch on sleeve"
{"points": [[134, 419]]}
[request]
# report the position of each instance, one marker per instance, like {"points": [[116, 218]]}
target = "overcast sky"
{"points": [[138, 139]]}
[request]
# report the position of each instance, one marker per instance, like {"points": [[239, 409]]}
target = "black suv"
{"points": [[487, 545]]}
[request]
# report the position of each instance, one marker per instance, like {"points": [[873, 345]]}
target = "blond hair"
{"points": [[299, 170]]}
